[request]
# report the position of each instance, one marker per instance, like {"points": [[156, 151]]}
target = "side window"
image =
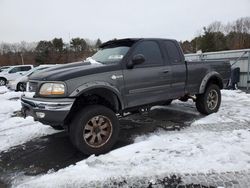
{"points": [[25, 68], [151, 52], [173, 52]]}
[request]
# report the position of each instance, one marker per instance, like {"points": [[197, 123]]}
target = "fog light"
{"points": [[40, 114]]}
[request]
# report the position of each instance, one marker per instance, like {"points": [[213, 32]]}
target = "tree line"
{"points": [[55, 51], [218, 36], [214, 37]]}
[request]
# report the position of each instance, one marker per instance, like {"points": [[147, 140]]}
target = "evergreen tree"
{"points": [[58, 44], [78, 44], [98, 43]]}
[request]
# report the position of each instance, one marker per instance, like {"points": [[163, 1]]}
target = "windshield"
{"points": [[110, 54], [4, 68]]}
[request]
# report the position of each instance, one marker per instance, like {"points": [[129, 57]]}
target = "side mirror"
{"points": [[136, 60]]}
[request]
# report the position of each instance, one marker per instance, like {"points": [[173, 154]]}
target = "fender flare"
{"points": [[206, 79], [98, 85]]}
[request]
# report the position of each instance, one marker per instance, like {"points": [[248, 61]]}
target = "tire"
{"points": [[209, 102], [21, 87], [168, 102], [2, 81], [87, 125]]}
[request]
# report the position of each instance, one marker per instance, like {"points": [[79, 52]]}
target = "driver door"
{"points": [[148, 82]]}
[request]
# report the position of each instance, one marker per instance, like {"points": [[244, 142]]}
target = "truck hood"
{"points": [[72, 70]]}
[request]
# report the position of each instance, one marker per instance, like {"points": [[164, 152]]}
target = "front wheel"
{"points": [[21, 86], [94, 130], [209, 102]]}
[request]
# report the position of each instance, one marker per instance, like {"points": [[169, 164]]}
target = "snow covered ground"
{"points": [[16, 130], [216, 143]]}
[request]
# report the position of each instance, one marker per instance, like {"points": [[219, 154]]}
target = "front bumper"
{"points": [[47, 111]]}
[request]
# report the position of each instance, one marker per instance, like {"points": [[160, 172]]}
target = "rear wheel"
{"points": [[94, 130], [2, 82], [209, 102]]}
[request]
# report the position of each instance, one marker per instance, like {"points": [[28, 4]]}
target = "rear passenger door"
{"points": [[178, 68], [148, 82]]}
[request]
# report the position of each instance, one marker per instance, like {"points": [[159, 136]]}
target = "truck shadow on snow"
{"points": [[54, 152]]}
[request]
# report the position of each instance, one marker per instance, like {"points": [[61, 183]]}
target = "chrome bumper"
{"points": [[52, 111], [48, 104]]}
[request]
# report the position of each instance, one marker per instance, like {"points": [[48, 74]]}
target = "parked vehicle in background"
{"points": [[13, 73], [123, 76], [20, 83], [4, 68]]}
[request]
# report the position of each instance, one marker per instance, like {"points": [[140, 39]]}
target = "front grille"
{"points": [[32, 86]]}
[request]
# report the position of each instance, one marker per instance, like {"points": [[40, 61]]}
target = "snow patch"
{"points": [[168, 152], [17, 130]]}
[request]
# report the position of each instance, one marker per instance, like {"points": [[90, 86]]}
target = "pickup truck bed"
{"points": [[199, 71]]}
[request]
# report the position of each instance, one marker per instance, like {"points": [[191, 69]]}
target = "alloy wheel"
{"points": [[97, 131], [212, 99]]}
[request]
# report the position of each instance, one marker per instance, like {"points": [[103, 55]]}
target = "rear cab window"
{"points": [[173, 52]]}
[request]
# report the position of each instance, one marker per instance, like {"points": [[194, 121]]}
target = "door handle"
{"points": [[165, 71]]}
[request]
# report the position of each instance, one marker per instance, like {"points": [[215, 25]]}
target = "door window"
{"points": [[151, 51]]}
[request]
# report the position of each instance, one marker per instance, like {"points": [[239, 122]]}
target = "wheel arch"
{"points": [[96, 94], [211, 78], [1, 77]]}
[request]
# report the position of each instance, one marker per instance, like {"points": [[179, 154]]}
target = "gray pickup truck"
{"points": [[125, 75]]}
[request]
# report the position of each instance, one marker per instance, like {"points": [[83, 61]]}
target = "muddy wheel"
{"points": [[2, 82], [94, 130], [209, 102]]}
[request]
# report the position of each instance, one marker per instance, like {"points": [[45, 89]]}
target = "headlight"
{"points": [[52, 89]]}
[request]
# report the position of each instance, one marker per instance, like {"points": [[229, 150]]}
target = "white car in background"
{"points": [[20, 83], [4, 68], [13, 73]]}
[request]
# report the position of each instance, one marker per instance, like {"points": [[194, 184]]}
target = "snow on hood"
{"points": [[92, 61]]}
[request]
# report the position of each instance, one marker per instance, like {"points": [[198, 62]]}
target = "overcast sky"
{"points": [[34, 20]]}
